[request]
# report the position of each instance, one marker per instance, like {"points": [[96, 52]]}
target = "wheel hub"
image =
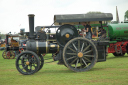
{"points": [[27, 62], [67, 35], [80, 54]]}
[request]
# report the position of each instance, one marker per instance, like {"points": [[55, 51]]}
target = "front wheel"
{"points": [[80, 54], [27, 62]]}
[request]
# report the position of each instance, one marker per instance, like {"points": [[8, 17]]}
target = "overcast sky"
{"points": [[14, 13]]}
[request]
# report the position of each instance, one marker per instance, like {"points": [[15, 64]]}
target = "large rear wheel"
{"points": [[80, 54]]}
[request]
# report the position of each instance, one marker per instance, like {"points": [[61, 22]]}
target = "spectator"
{"points": [[102, 33]]}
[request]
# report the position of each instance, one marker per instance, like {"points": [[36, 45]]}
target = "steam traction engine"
{"points": [[13, 45], [77, 53], [118, 33]]}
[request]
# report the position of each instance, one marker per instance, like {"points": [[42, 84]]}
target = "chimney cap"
{"points": [[31, 15]]}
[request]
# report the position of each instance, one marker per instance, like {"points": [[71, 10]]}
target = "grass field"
{"points": [[112, 72]]}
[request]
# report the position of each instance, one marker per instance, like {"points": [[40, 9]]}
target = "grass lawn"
{"points": [[112, 72]]}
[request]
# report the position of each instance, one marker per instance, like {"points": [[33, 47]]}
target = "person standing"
{"points": [[102, 33], [88, 31], [83, 31]]}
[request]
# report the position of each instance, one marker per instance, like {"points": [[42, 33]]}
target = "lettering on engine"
{"points": [[118, 28]]}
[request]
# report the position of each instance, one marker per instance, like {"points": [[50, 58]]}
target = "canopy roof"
{"points": [[76, 18]]}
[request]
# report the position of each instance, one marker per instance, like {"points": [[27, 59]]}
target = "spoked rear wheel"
{"points": [[27, 62], [80, 54]]}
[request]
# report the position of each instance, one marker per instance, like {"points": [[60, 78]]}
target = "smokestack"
{"points": [[31, 26], [117, 16], [6, 39]]}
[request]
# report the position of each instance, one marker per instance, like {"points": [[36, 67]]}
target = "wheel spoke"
{"points": [[82, 47], [34, 61], [24, 67], [29, 60], [25, 57], [81, 62], [71, 53], [74, 46], [79, 45], [74, 60], [76, 63], [71, 58], [34, 65], [87, 59], [30, 67], [86, 48], [87, 51], [71, 49], [84, 61], [89, 55]]}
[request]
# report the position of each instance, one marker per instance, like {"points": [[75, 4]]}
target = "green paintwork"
{"points": [[117, 31], [92, 25], [79, 26], [112, 41], [97, 25]]}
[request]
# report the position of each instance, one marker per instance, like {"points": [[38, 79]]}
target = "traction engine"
{"points": [[76, 53]]}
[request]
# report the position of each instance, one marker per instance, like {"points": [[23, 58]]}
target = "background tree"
{"points": [[126, 15], [93, 12], [3, 36]]}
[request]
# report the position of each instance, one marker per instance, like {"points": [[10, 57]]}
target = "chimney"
{"points": [[31, 26]]}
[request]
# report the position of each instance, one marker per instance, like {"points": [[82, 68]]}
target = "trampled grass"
{"points": [[114, 71]]}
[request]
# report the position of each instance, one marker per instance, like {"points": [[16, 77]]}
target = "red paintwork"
{"points": [[121, 46], [20, 50]]}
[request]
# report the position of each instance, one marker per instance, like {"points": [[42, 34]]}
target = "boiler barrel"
{"points": [[119, 30], [42, 47]]}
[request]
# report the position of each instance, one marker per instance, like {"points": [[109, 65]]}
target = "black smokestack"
{"points": [[31, 26]]}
